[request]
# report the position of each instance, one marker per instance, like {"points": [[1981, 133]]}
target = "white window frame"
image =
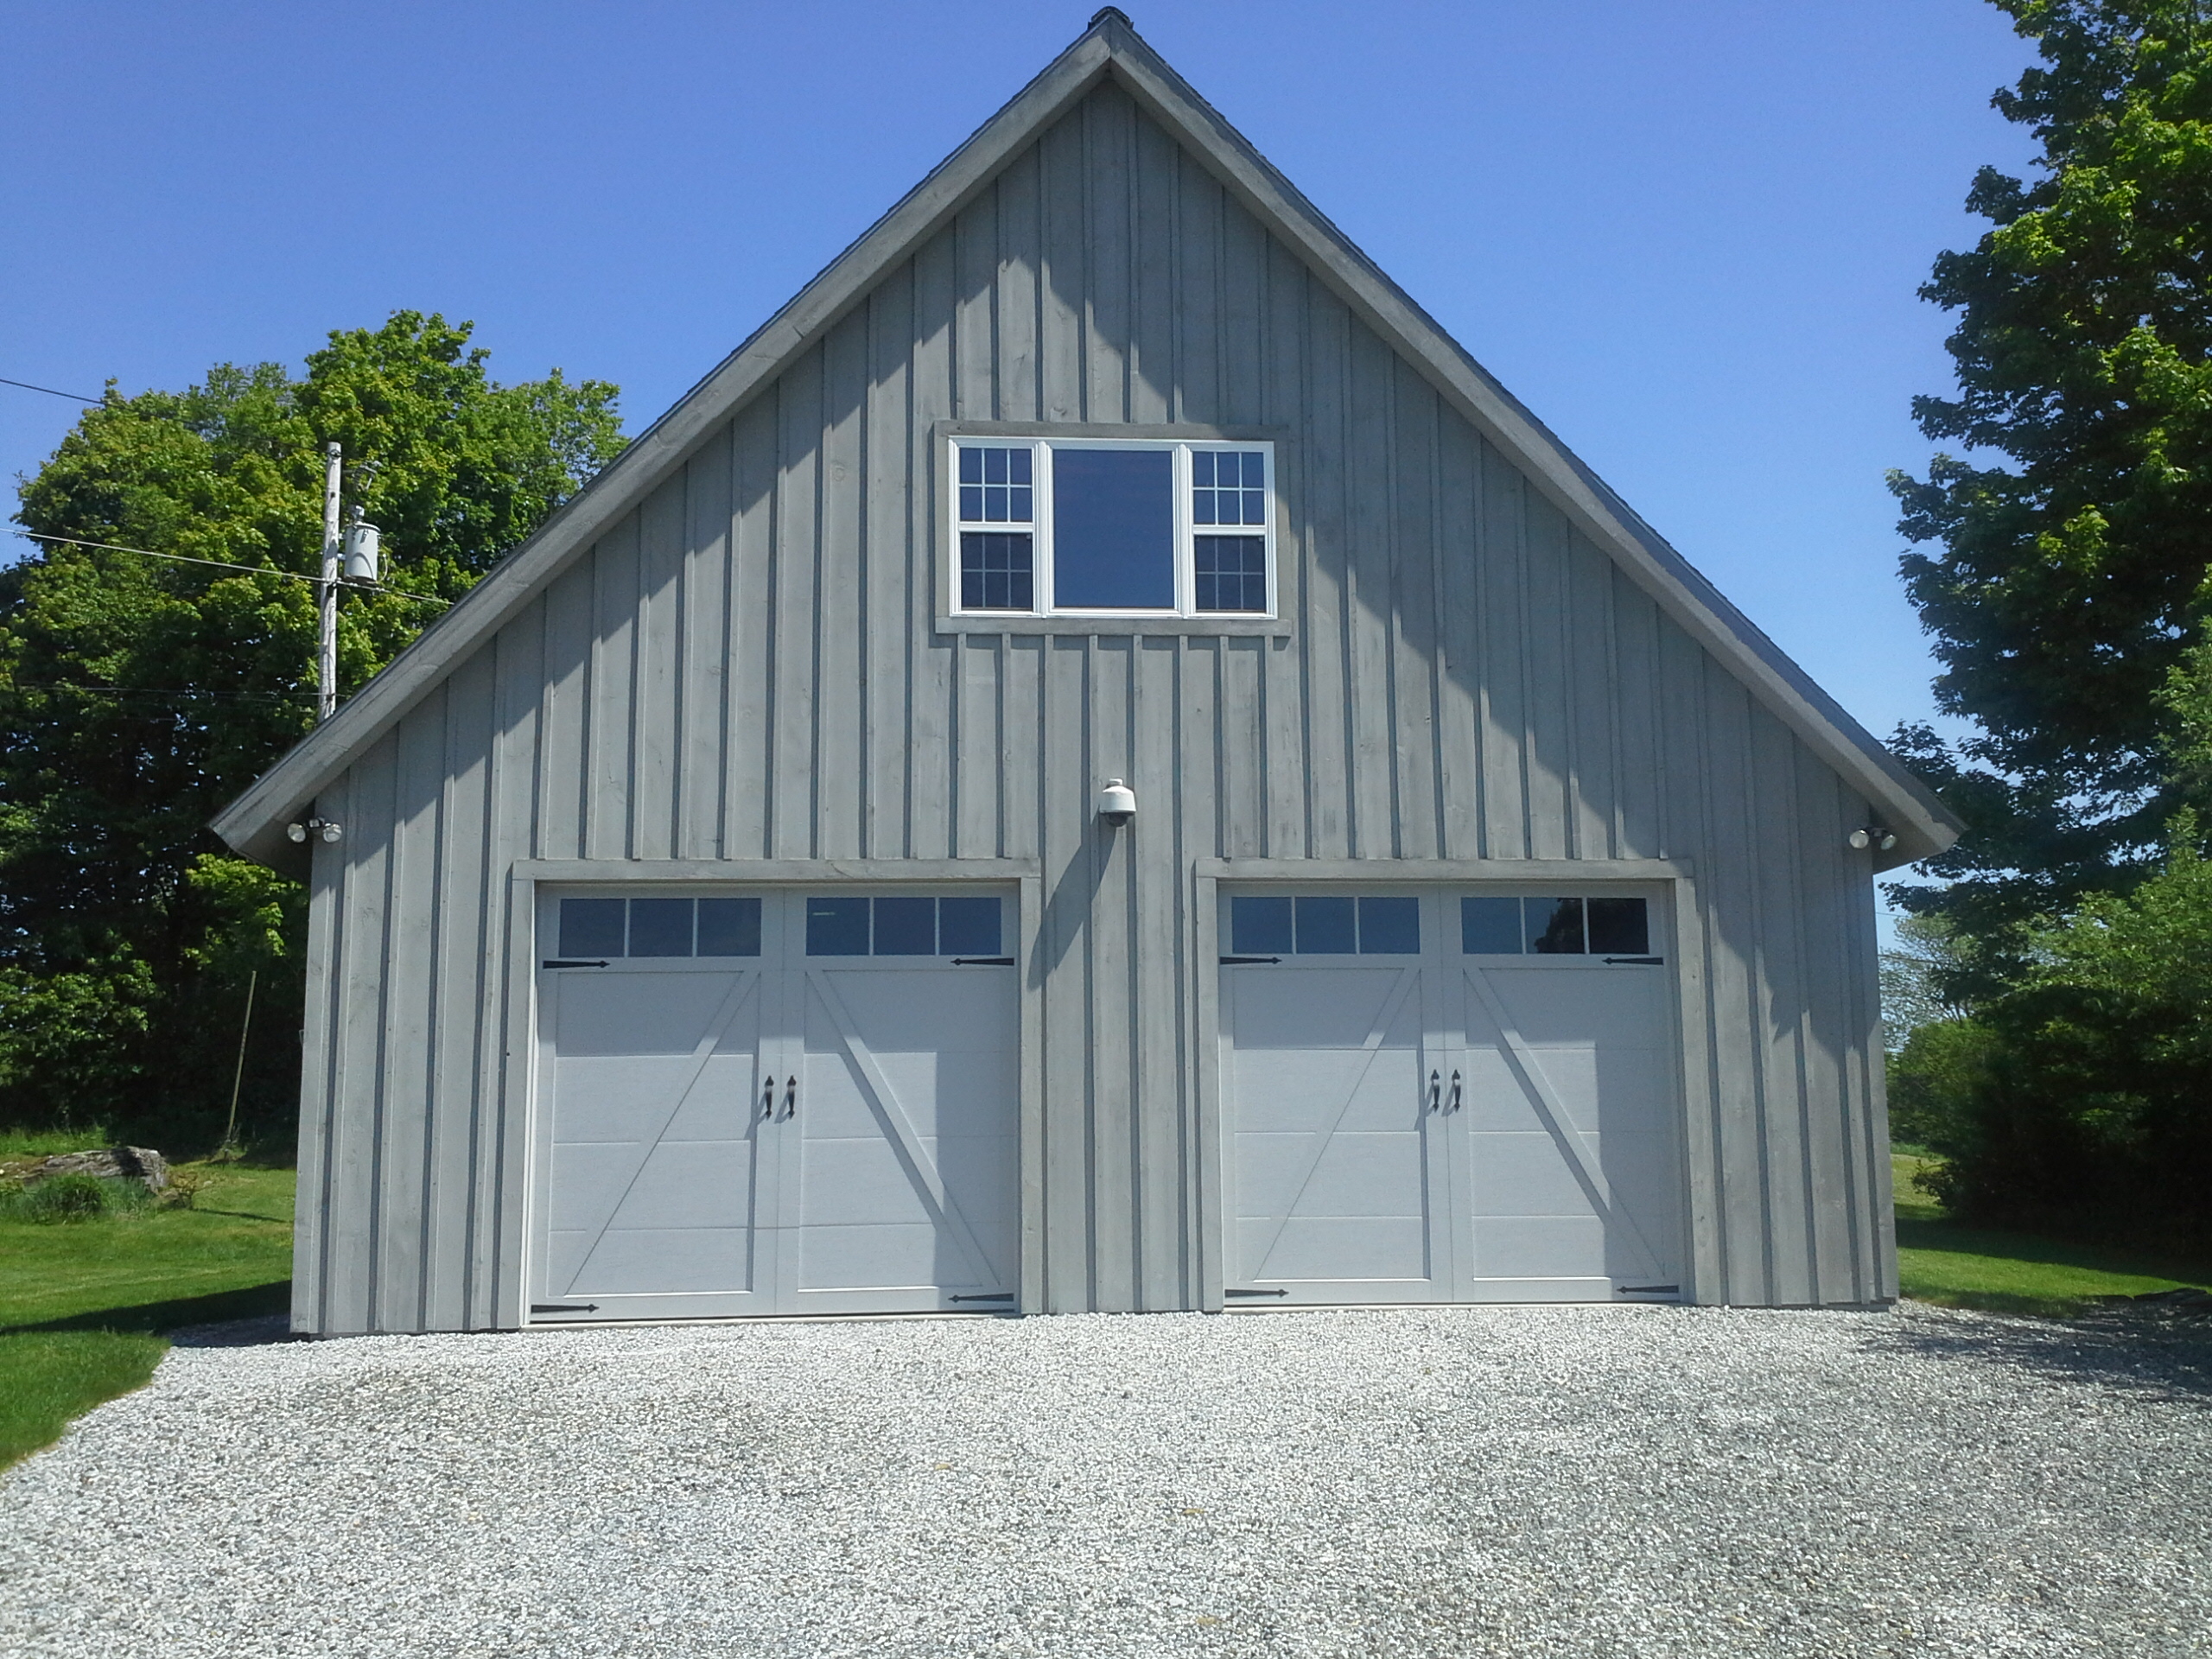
{"points": [[1040, 528]]}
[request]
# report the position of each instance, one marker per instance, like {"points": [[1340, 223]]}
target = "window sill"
{"points": [[1220, 627]]}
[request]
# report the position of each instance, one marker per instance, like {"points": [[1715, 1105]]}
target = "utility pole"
{"points": [[326, 688]]}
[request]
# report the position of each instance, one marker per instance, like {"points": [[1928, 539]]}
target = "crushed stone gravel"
{"points": [[1626, 1481]]}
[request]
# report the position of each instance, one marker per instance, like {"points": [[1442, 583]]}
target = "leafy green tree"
{"points": [[137, 695], [2083, 1098], [2073, 539]]}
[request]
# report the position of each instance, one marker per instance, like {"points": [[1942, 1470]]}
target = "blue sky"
{"points": [[1687, 236]]}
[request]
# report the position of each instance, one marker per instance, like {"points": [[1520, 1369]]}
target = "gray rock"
{"points": [[109, 1163]]}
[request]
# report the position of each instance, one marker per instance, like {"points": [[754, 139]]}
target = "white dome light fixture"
{"points": [[1117, 802]]}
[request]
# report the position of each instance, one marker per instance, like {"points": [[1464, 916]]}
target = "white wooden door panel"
{"points": [[877, 1220], [1564, 1060], [1335, 1182], [654, 1192]]}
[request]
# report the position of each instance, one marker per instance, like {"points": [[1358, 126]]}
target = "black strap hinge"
{"points": [[1255, 1292], [988, 1296], [1647, 1290], [1232, 962], [570, 962], [1640, 962], [983, 962], [563, 1307]]}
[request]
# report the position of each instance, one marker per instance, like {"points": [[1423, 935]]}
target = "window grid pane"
{"points": [[1229, 487], [1553, 926], [1259, 927], [836, 927], [967, 927], [1618, 927], [1389, 927], [660, 927], [591, 927], [1231, 572], [729, 927], [1326, 927], [996, 486], [997, 572]]}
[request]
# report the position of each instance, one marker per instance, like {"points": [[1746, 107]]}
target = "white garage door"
{"points": [[775, 1104], [1461, 1096]]}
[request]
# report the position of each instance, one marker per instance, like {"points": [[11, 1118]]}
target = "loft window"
{"points": [[1109, 528]]}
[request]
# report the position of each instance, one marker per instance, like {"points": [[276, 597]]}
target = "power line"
{"points": [[48, 391], [7, 686], [220, 564]]}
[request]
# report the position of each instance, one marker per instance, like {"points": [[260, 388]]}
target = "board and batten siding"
{"points": [[748, 667]]}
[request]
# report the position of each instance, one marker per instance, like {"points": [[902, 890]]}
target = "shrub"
{"points": [[2089, 1104], [65, 1197], [1932, 1082]]}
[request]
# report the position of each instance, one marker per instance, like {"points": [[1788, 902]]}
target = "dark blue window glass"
{"points": [[1389, 927], [1231, 572], [836, 927], [1112, 531], [729, 927], [1618, 926], [1326, 927], [1490, 927], [660, 927], [591, 927], [1259, 927], [905, 927], [967, 927], [971, 465], [996, 573], [1554, 926]]}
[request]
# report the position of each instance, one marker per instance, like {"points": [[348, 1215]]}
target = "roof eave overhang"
{"points": [[254, 823]]}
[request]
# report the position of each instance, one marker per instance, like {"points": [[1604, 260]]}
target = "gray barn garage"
{"points": [[738, 908]]}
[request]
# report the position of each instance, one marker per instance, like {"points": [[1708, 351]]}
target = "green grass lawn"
{"points": [[83, 1304], [1940, 1260]]}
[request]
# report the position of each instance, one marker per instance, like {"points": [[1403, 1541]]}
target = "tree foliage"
{"points": [[2083, 1097], [2071, 576], [137, 695]]}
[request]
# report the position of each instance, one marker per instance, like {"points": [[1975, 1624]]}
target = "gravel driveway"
{"points": [[1619, 1481]]}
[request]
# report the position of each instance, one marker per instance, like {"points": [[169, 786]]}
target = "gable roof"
{"points": [[254, 823]]}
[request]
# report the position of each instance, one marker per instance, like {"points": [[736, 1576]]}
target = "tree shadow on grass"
{"points": [[257, 1302], [2137, 1350]]}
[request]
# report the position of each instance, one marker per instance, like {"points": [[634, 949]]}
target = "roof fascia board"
{"points": [[1923, 824], [252, 823]]}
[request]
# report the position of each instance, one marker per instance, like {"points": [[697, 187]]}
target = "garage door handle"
{"points": [[1435, 1087], [768, 1099], [790, 1096], [1454, 1106]]}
